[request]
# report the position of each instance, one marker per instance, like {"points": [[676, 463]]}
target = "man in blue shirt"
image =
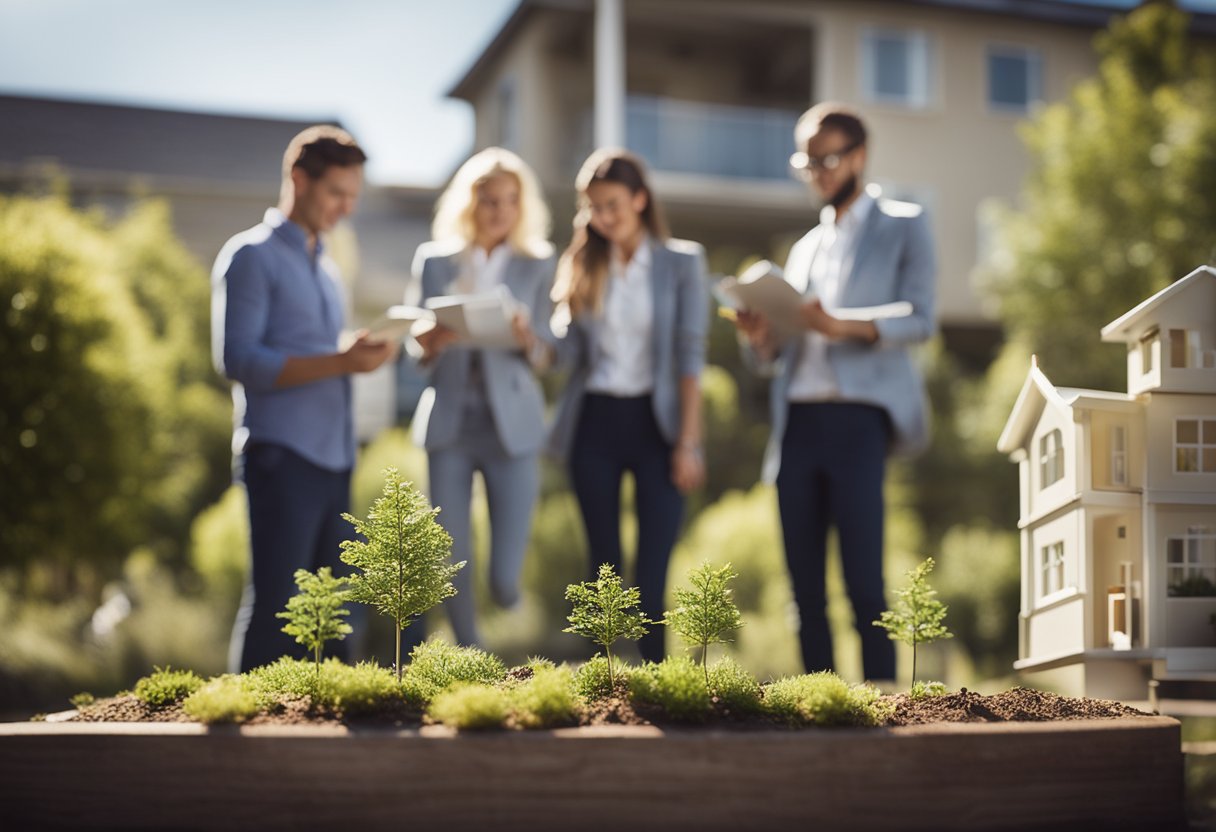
{"points": [[276, 318]]}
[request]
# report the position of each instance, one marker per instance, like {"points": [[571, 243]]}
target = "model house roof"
{"points": [[1131, 326], [1037, 392]]}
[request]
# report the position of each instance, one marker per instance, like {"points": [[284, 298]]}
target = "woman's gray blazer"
{"points": [[511, 388], [680, 294]]}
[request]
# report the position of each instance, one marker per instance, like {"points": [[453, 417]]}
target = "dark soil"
{"points": [[1017, 705]]}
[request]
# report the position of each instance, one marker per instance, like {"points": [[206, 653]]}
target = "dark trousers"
{"points": [[615, 435], [833, 459], [295, 522]]}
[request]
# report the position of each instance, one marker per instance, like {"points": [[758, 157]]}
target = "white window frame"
{"points": [[1147, 365], [1185, 345], [1052, 572], [921, 69], [1118, 455], [1051, 459], [1195, 558], [1195, 453], [1034, 81]]}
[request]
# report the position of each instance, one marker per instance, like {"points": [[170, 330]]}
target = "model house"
{"points": [[1118, 507]]}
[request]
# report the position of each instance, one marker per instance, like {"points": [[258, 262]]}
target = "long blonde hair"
{"points": [[582, 272], [454, 211]]}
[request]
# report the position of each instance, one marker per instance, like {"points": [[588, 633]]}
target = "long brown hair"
{"points": [[582, 272]]}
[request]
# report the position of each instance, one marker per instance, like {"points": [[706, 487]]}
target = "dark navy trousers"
{"points": [[295, 522], [615, 435], [833, 459]]}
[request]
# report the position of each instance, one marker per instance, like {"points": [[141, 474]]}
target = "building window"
{"points": [[1051, 569], [897, 67], [1118, 455], [508, 118], [1194, 446], [1014, 78], [1051, 458], [1191, 562]]}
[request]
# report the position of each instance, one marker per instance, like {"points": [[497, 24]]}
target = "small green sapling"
{"points": [[403, 562], [604, 612], [705, 614], [917, 616], [314, 615]]}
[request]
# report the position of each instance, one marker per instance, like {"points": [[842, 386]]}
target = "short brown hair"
{"points": [[830, 115], [319, 148]]}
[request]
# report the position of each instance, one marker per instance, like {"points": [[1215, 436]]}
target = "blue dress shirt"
{"points": [[272, 298]]}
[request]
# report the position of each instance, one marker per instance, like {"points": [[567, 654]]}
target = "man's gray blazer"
{"points": [[894, 261], [680, 296], [513, 393]]}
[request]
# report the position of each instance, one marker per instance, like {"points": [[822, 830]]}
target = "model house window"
{"points": [[1194, 446], [1185, 350], [1190, 562], [1118, 455], [1051, 458], [1051, 569], [1014, 78], [1146, 351], [897, 67]]}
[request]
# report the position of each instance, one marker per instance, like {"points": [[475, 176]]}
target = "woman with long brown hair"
{"points": [[633, 304]]}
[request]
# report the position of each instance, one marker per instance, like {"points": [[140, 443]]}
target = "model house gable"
{"points": [[1171, 337]]}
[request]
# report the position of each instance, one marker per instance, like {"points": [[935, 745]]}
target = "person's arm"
{"points": [[426, 347], [363, 356], [692, 327], [240, 311]]}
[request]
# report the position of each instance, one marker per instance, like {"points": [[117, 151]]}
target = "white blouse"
{"points": [[624, 364]]}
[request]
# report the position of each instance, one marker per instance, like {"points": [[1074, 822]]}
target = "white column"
{"points": [[609, 73]]}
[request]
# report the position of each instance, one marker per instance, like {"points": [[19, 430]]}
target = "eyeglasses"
{"points": [[805, 164]]}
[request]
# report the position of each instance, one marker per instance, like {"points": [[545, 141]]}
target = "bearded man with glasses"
{"points": [[845, 393]]}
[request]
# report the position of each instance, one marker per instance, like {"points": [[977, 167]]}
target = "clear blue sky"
{"points": [[381, 66]]}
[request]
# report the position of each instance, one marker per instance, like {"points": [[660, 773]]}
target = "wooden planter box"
{"points": [[1095, 774]]}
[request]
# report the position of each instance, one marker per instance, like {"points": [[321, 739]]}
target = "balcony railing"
{"points": [[710, 139]]}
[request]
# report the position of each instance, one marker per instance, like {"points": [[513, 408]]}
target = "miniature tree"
{"points": [[314, 615], [403, 559], [917, 615], [705, 614], [604, 612]]}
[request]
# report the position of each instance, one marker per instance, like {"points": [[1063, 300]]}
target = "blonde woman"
{"points": [[634, 305], [483, 410]]}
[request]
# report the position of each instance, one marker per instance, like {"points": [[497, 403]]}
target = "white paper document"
{"points": [[762, 288], [482, 320], [397, 322]]}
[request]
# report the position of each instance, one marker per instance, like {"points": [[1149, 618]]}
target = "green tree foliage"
{"points": [[403, 556], [705, 614], [1120, 201], [113, 427], [314, 614], [605, 612], [917, 616]]}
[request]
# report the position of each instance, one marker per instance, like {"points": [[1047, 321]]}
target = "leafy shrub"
{"points": [[287, 677], [676, 685], [82, 700], [546, 700], [166, 686], [470, 706], [823, 699], [593, 681], [922, 690], [226, 698], [436, 665], [735, 688], [361, 689]]}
